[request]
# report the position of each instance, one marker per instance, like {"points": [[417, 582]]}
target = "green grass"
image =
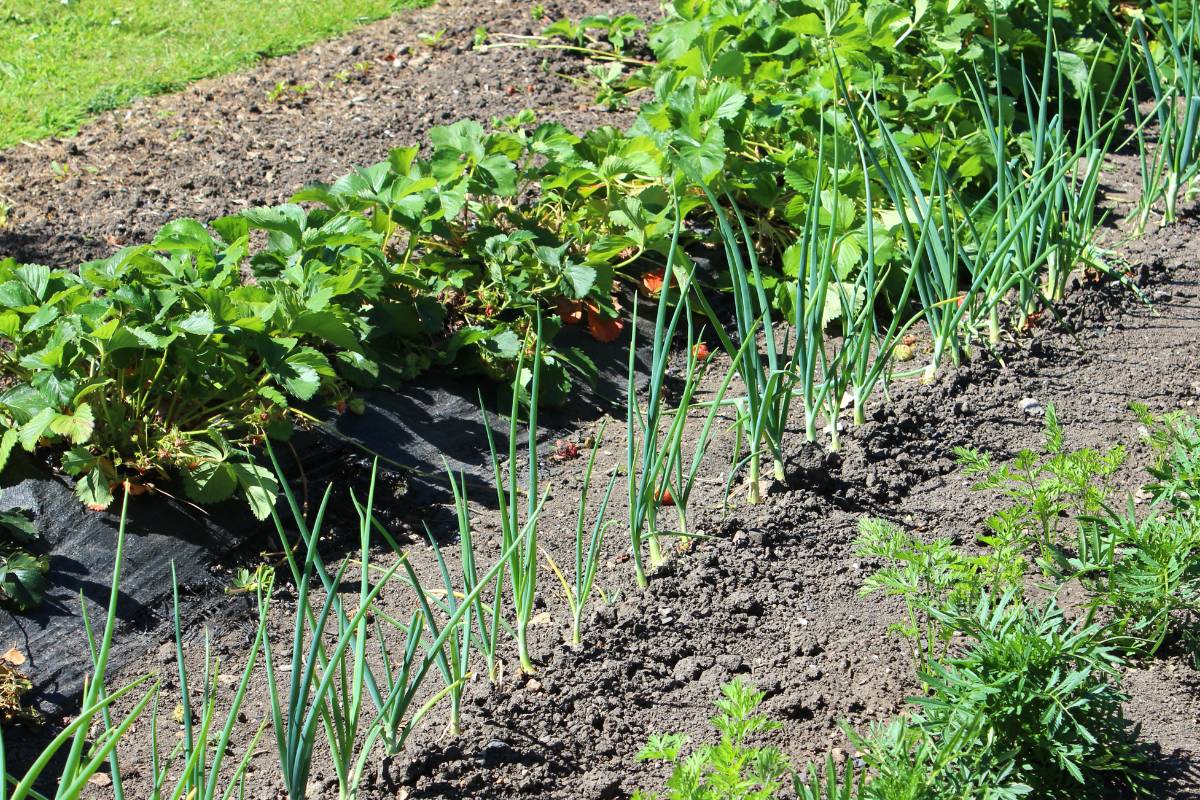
{"points": [[64, 61]]}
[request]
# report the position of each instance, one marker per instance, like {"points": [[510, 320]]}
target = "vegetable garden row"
{"points": [[815, 200]]}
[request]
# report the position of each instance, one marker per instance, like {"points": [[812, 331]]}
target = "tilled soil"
{"points": [[773, 595]]}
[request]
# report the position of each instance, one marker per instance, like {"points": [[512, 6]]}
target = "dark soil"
{"points": [[774, 594]]}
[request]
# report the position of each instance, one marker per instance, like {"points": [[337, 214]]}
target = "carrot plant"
{"points": [[1048, 487], [1174, 440], [932, 576], [732, 768]]}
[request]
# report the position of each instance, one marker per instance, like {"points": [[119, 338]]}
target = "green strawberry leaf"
{"points": [[7, 442], [93, 490], [210, 482], [19, 526], [33, 430], [259, 486], [23, 579], [199, 323], [77, 428]]}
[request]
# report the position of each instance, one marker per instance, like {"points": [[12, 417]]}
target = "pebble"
{"points": [[1030, 406], [690, 667], [495, 752]]}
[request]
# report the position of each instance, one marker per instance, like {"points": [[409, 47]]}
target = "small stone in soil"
{"points": [[495, 752], [1030, 406]]}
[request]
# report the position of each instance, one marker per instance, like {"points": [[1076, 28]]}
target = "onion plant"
{"points": [[330, 684], [447, 645], [488, 613], [520, 540], [319, 663], [1058, 177], [578, 590], [402, 683], [680, 474], [454, 657], [655, 466], [343, 672], [967, 259], [643, 453], [767, 400], [819, 297], [657, 469], [867, 346], [930, 236], [203, 747], [311, 698], [1172, 71]]}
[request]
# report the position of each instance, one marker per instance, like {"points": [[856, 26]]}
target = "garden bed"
{"points": [[773, 596]]}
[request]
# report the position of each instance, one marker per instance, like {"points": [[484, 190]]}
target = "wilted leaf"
{"points": [[602, 328], [93, 490]]}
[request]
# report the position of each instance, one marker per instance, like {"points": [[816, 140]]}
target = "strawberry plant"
{"points": [[163, 360], [174, 358], [497, 224], [22, 574]]}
